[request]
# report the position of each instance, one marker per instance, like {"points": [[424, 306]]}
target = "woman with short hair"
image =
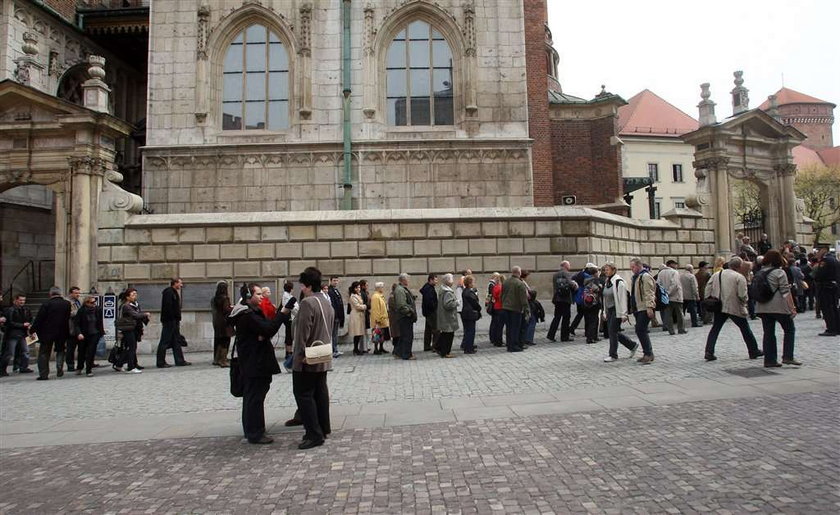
{"points": [[447, 317], [470, 313], [780, 307], [356, 328], [615, 299], [220, 308], [130, 324], [379, 320]]}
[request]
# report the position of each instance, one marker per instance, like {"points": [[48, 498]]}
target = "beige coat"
{"points": [[689, 286], [733, 294], [357, 316], [314, 322], [644, 291]]}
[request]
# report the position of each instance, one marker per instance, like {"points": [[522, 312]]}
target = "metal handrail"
{"points": [[29, 264]]}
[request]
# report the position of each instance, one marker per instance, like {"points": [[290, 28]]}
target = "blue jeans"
{"points": [[768, 323], [530, 329], [16, 348], [691, 307], [497, 327], [335, 339], [468, 342], [513, 322], [642, 323]]}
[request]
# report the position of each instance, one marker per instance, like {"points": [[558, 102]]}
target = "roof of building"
{"points": [[789, 96], [648, 114], [806, 156], [830, 156]]}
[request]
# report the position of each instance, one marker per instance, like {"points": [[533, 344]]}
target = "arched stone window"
{"points": [[255, 90], [419, 81]]}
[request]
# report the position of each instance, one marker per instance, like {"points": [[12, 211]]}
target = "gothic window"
{"points": [[255, 90], [419, 77]]}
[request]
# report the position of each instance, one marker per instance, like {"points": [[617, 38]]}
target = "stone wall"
{"points": [[26, 234], [379, 244]]}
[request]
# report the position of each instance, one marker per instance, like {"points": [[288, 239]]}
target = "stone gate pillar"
{"points": [[85, 181]]}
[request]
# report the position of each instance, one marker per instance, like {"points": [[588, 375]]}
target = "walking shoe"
{"points": [[263, 440], [165, 365], [39, 378], [292, 422], [71, 368], [792, 361], [79, 371], [116, 368], [134, 371], [646, 360], [609, 359], [683, 332], [633, 351], [757, 355], [184, 364], [89, 374], [138, 367], [710, 357], [826, 333], [308, 444], [25, 371], [772, 365], [59, 372]]}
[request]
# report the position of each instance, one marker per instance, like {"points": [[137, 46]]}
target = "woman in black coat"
{"points": [[220, 307], [88, 327], [130, 324], [470, 313]]}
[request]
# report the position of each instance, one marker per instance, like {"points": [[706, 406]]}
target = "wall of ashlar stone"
{"points": [[378, 245]]}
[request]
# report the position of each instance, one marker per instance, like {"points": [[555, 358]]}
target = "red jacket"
{"points": [[497, 297], [268, 308]]}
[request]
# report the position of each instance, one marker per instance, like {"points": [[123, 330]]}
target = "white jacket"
{"points": [[621, 288], [669, 280]]}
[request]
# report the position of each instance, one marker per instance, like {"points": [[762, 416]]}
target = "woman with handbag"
{"points": [[356, 327], [470, 313], [222, 331], [379, 319], [780, 308], [497, 322], [88, 327], [313, 331], [130, 324]]}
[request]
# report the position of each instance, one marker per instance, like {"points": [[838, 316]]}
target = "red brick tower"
{"points": [[539, 125]]}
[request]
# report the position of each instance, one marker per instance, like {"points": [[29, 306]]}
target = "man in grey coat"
{"points": [[406, 309], [730, 287], [514, 308], [691, 294], [669, 281], [447, 317]]}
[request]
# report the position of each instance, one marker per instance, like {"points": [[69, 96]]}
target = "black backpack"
{"points": [[562, 289], [760, 289]]}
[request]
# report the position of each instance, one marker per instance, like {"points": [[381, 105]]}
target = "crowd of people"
{"points": [[772, 284]]}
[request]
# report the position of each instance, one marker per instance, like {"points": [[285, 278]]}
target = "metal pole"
{"points": [[347, 201]]}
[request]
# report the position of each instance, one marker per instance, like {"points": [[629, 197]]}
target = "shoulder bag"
{"points": [[714, 304], [319, 352]]}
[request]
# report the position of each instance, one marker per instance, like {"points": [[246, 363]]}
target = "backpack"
{"points": [[662, 298], [760, 289], [562, 289], [588, 297]]}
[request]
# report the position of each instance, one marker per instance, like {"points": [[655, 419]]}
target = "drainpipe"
{"points": [[347, 201]]}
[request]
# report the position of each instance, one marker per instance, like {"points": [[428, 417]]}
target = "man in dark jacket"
{"points": [[75, 300], [827, 277], [564, 289], [170, 317], [429, 310], [52, 325], [257, 361], [337, 303], [18, 321]]}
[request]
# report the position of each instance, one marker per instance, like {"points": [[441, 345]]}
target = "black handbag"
{"points": [[236, 387], [714, 304], [116, 355]]}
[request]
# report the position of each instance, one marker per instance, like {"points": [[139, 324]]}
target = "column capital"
{"points": [[86, 165]]}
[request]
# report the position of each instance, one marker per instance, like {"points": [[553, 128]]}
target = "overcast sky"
{"points": [[671, 47]]}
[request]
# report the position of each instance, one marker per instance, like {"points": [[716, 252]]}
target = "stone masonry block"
{"points": [[275, 233], [357, 232], [314, 249], [296, 267], [260, 251], [549, 228], [483, 246], [525, 262], [440, 230], [124, 253], [358, 267], [289, 250], [138, 236], [103, 254], [412, 230], [509, 245], [179, 252], [414, 265], [165, 235], [576, 227], [246, 269], [222, 270], [110, 236], [399, 248], [429, 247], [467, 229], [346, 249], [110, 272], [494, 228], [191, 235], [537, 245], [246, 234], [474, 263], [549, 263], [152, 253], [563, 245], [274, 269], [442, 265], [206, 252], [384, 231], [142, 272], [524, 228], [164, 271], [371, 248], [455, 248], [386, 267], [330, 232], [192, 270], [499, 264], [231, 251], [219, 234], [301, 232], [331, 266], [662, 249]]}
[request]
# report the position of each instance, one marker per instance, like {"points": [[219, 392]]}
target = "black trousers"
{"points": [[828, 305], [513, 324], [590, 323], [170, 337], [406, 337], [253, 406], [86, 350], [70, 355], [444, 343], [129, 343], [769, 344], [743, 325], [313, 402], [616, 337], [44, 354], [430, 332], [562, 316]]}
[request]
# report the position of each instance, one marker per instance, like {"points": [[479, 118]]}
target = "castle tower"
{"points": [[811, 116]]}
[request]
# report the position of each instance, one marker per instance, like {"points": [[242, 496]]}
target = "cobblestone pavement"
{"points": [[547, 367], [776, 454]]}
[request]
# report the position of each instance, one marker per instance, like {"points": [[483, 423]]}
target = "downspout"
{"points": [[347, 201]]}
